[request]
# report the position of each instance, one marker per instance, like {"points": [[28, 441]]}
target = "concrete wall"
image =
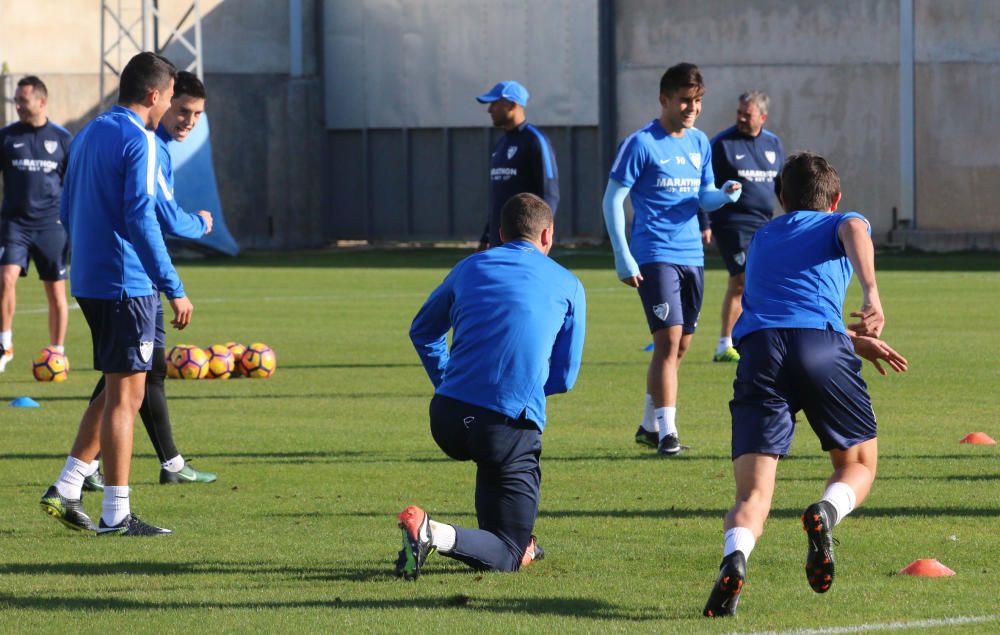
{"points": [[267, 127], [832, 71]]}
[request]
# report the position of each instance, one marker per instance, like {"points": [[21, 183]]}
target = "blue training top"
{"points": [[797, 274], [171, 216], [109, 210], [754, 162], [33, 162], [522, 161], [665, 175], [518, 319]]}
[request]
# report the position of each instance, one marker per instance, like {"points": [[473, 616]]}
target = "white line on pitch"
{"points": [[888, 626]]}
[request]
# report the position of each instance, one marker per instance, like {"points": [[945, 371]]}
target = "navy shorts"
{"points": [[782, 371], [124, 332], [671, 295], [47, 246], [733, 243]]}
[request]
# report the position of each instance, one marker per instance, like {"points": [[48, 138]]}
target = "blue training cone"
{"points": [[24, 402], [649, 347]]}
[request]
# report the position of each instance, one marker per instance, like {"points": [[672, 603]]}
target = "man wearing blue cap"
{"points": [[522, 161]]}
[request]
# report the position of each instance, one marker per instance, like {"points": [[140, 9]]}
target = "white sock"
{"points": [[648, 418], [739, 539], [724, 343], [666, 418], [443, 536], [70, 482], [116, 505], [175, 464], [94, 466], [61, 349], [843, 499], [7, 339]]}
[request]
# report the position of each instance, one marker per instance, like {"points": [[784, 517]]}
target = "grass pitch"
{"points": [[299, 532]]}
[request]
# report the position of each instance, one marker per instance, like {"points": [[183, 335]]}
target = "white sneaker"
{"points": [[5, 358]]}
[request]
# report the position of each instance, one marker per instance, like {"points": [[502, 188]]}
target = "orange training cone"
{"points": [[928, 567], [978, 438]]}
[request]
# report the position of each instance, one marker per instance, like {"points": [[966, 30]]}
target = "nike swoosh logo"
{"points": [[184, 477], [740, 156], [18, 145], [662, 161]]}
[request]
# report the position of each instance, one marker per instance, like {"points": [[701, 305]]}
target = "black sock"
{"points": [[154, 413]]}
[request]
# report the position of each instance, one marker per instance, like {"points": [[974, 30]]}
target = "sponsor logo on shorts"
{"points": [[661, 311], [740, 258], [145, 350]]}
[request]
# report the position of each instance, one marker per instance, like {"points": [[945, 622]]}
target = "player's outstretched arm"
{"points": [[710, 198], [854, 235], [875, 350], [614, 220]]}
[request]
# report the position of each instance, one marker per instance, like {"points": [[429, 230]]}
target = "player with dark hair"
{"points": [[796, 354], [666, 169], [33, 156], [186, 107], [120, 266], [522, 160], [517, 320], [752, 155]]}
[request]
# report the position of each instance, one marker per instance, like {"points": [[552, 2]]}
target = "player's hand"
{"points": [[871, 319], [633, 281], [207, 216], [732, 186], [182, 312], [875, 350], [706, 237], [483, 246]]}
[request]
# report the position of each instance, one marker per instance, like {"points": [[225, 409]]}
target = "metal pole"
{"points": [[199, 68], [907, 127], [295, 38]]}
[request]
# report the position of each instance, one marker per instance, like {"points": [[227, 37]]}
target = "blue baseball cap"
{"points": [[509, 90]]}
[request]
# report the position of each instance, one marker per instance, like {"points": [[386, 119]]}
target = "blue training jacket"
{"points": [[518, 319], [109, 210], [172, 217]]}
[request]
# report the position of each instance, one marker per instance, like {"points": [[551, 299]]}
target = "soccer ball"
{"points": [[50, 365], [221, 362], [191, 362], [258, 361], [172, 371], [237, 350]]}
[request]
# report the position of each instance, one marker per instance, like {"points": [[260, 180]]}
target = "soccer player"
{"points": [[751, 155], [120, 265], [666, 169], [33, 155], [517, 320], [186, 107], [522, 161], [796, 354]]}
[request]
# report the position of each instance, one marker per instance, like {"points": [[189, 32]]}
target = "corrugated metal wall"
{"points": [[407, 144]]}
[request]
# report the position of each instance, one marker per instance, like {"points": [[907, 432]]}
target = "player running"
{"points": [[666, 170], [796, 354]]}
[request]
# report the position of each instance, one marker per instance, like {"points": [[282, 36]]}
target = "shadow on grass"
{"points": [[585, 608]]}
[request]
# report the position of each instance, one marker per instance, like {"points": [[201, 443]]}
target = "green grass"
{"points": [[299, 532]]}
